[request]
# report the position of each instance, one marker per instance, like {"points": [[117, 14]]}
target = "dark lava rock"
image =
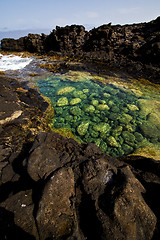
{"points": [[68, 190], [134, 48]]}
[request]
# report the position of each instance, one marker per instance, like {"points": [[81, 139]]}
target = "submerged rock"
{"points": [[128, 137], [82, 128], [102, 127], [65, 90], [63, 101], [125, 118], [89, 109], [75, 101], [75, 111], [102, 107], [112, 141]]}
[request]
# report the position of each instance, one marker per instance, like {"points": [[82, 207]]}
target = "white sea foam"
{"points": [[12, 62]]}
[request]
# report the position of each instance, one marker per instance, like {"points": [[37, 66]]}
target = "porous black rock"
{"points": [[134, 48]]}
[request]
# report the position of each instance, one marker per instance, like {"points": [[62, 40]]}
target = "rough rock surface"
{"points": [[135, 48], [55, 188], [65, 190]]}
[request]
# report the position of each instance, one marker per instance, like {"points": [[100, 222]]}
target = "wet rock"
{"points": [[65, 90], [102, 127], [128, 137], [63, 101], [75, 101], [149, 129], [89, 109], [112, 141], [95, 102], [76, 111], [132, 107], [125, 118], [102, 107], [82, 128]]}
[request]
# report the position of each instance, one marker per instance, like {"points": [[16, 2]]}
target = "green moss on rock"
{"points": [[75, 101], [82, 128], [63, 101]]}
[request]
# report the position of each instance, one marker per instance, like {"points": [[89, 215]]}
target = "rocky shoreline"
{"points": [[133, 48], [53, 187]]}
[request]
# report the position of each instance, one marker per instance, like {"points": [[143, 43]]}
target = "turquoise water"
{"points": [[105, 114]]}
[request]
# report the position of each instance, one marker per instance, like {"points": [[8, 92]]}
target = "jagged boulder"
{"points": [[68, 190]]}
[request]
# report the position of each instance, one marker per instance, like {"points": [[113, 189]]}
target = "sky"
{"points": [[46, 14]]}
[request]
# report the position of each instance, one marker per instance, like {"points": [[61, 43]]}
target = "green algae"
{"points": [[118, 120]]}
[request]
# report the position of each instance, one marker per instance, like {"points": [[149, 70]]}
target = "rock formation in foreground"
{"points": [[55, 188], [135, 48]]}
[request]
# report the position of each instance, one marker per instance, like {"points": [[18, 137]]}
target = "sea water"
{"points": [[116, 119], [12, 62]]}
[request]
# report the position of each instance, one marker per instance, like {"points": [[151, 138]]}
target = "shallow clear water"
{"points": [[116, 119]]}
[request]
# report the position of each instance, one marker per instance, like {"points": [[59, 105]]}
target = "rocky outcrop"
{"points": [[134, 48], [32, 43], [59, 189], [55, 188], [137, 42]]}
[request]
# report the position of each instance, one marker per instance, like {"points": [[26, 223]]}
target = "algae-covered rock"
{"points": [[75, 111], [65, 90], [115, 109], [79, 94], [110, 103], [94, 134], [85, 90], [102, 127], [129, 128], [149, 129], [132, 107], [98, 141], [63, 101], [89, 109], [138, 136], [102, 101], [113, 116], [117, 131], [149, 106], [102, 107], [69, 118], [112, 142], [75, 101], [128, 137], [82, 128], [103, 146], [127, 149], [58, 110], [154, 118], [106, 95], [125, 118], [94, 102]]}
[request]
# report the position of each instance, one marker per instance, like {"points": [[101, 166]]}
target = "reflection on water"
{"points": [[118, 120]]}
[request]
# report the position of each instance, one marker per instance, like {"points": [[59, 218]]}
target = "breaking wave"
{"points": [[12, 62]]}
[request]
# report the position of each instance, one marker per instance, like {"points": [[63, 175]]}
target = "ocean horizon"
{"points": [[22, 33]]}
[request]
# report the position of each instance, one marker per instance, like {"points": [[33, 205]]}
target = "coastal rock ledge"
{"points": [[133, 48], [55, 188]]}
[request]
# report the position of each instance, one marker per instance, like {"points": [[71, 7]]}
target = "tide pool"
{"points": [[118, 120]]}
